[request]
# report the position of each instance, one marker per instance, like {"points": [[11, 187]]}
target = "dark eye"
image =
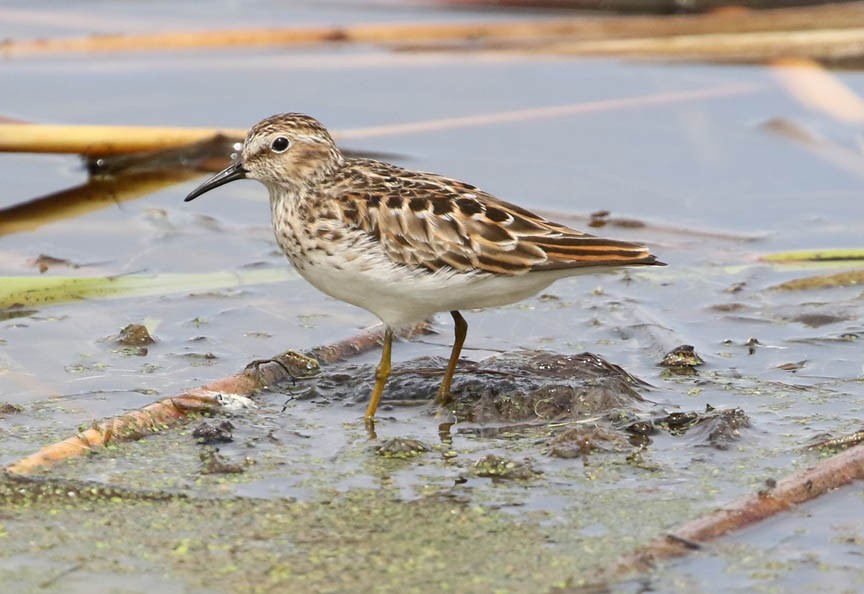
{"points": [[279, 144]]}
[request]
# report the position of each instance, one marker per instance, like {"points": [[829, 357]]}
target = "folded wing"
{"points": [[433, 222]]}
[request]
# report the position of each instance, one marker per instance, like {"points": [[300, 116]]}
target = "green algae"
{"points": [[816, 255], [41, 291], [471, 534], [850, 278], [359, 541]]}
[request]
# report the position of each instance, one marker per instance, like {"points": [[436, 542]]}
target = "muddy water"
{"points": [[715, 189]]}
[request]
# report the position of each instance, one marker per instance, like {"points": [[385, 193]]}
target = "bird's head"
{"points": [[287, 150]]}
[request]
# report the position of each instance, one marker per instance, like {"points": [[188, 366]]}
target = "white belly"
{"points": [[400, 296]]}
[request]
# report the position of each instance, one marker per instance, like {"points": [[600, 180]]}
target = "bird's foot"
{"points": [[370, 428]]}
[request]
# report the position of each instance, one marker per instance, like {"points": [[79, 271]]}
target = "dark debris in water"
{"points": [[602, 218], [199, 359], [792, 366], [716, 428], [810, 313], [841, 279], [401, 447], [212, 462], [44, 262], [208, 432], [817, 320], [820, 340], [580, 441], [572, 404], [8, 409], [134, 340], [516, 386], [620, 432], [682, 357], [677, 423], [18, 489], [831, 444], [134, 335], [16, 311], [501, 468], [530, 385]]}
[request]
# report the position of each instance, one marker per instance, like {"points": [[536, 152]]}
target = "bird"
{"points": [[402, 244]]}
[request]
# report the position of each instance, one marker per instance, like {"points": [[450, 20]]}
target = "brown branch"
{"points": [[118, 140], [208, 399], [829, 474], [128, 427], [102, 140]]}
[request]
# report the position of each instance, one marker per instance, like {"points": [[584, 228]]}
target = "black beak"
{"points": [[229, 174]]}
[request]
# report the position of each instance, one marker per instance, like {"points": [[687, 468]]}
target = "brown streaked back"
{"points": [[430, 221]]}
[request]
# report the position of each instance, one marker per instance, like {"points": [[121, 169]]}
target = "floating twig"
{"points": [[103, 140], [778, 496], [211, 398]]}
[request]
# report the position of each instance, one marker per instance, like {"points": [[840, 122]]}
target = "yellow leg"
{"points": [[461, 327], [381, 375]]}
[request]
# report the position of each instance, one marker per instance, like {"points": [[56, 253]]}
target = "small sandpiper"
{"points": [[403, 244]]}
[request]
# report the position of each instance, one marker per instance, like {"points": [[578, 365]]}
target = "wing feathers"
{"points": [[427, 220]]}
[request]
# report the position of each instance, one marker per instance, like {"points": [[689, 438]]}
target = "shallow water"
{"points": [[716, 190]]}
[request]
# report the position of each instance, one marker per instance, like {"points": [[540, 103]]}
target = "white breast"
{"points": [[398, 295]]}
